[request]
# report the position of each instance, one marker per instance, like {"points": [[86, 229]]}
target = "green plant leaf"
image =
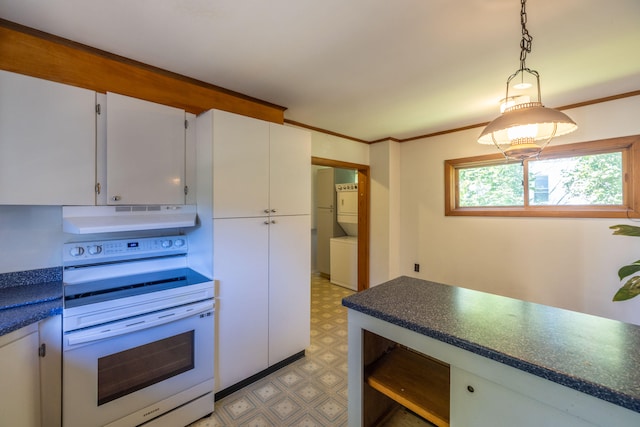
{"points": [[627, 270], [628, 290], [625, 230]]}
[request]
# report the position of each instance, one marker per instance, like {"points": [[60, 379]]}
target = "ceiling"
{"points": [[368, 69]]}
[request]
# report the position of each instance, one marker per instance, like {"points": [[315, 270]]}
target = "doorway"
{"points": [[363, 213]]}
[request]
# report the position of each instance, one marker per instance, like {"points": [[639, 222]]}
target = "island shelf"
{"points": [[417, 382]]}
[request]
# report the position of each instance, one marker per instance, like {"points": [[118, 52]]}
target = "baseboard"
{"points": [[271, 369]]}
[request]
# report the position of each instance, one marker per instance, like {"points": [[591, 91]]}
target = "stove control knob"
{"points": [[95, 249], [76, 251], [179, 243], [167, 243]]}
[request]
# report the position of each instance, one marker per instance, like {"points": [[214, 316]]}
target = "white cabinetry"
{"points": [[240, 166], [260, 168], [241, 273], [145, 152], [289, 286], [20, 373], [289, 171], [479, 402], [31, 372], [50, 331], [261, 240], [262, 272], [47, 142]]}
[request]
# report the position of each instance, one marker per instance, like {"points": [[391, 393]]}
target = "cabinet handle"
{"points": [[266, 211], [273, 211], [116, 198], [273, 221], [470, 389], [42, 350], [266, 222]]}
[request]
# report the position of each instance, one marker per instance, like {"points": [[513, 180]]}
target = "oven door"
{"points": [[131, 371]]}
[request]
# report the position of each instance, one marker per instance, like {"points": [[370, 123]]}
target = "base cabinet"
{"points": [[240, 248], [30, 374], [289, 286], [263, 293], [50, 331], [20, 373], [478, 402]]}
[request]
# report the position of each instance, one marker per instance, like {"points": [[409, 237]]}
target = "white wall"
{"points": [[336, 148], [385, 212], [569, 263], [31, 237]]}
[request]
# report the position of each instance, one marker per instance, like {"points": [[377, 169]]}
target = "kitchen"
{"points": [[404, 178]]}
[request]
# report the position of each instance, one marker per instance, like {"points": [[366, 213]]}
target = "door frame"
{"points": [[364, 214]]}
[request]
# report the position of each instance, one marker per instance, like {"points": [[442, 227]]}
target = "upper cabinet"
{"points": [[289, 170], [145, 152], [265, 168], [240, 166], [47, 142]]}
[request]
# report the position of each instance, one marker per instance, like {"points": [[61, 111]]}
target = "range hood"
{"points": [[107, 219]]}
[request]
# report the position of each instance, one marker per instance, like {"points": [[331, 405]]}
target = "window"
{"points": [[590, 179]]}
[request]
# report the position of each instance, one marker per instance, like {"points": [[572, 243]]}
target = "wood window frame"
{"points": [[630, 208]]}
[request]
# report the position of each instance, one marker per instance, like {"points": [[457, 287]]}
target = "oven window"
{"points": [[123, 373]]}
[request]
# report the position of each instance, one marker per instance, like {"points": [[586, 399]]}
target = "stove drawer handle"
{"points": [[149, 321]]}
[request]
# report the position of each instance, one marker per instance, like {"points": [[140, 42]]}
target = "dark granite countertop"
{"points": [[29, 296], [591, 354]]}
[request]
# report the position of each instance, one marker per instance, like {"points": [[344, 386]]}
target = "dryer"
{"points": [[347, 202]]}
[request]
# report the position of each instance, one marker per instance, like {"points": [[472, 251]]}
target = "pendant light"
{"points": [[524, 129]]}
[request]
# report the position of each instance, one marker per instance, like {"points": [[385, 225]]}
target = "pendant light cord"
{"points": [[525, 43]]}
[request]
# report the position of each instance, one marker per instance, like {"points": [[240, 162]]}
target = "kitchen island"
{"points": [[460, 357]]}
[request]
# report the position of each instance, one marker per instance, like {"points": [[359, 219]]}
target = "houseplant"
{"points": [[631, 288]]}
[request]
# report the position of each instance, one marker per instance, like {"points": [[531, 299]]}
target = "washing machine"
{"points": [[344, 261]]}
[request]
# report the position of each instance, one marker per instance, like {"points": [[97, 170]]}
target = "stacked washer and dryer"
{"points": [[344, 249]]}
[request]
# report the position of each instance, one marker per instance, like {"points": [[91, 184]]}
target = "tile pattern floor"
{"points": [[310, 392]]}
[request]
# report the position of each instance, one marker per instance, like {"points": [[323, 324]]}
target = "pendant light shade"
{"points": [[524, 129]]}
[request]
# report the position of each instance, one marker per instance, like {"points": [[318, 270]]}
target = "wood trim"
{"points": [[364, 206], [364, 213], [326, 132], [27, 51], [463, 128], [631, 161], [600, 100]]}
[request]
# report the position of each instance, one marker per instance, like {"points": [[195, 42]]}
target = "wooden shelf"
{"points": [[417, 382]]}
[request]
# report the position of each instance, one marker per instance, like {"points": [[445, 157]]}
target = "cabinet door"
{"points": [[20, 391], [240, 166], [145, 152], [190, 159], [50, 331], [492, 405], [289, 286], [240, 269], [47, 142], [290, 170]]}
